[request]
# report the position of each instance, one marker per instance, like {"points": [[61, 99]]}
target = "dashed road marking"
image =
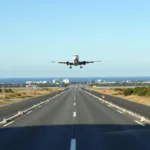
{"points": [[73, 144], [8, 124], [74, 114], [74, 104], [139, 122], [109, 106]]}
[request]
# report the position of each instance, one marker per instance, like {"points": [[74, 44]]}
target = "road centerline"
{"points": [[73, 144], [74, 114]]}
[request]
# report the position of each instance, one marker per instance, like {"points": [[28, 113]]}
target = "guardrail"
{"points": [[142, 118], [20, 113]]}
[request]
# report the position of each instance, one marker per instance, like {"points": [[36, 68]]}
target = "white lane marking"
{"points": [[40, 106], [74, 114], [8, 124], [120, 111], [139, 122], [73, 144], [109, 106], [29, 112], [74, 104]]}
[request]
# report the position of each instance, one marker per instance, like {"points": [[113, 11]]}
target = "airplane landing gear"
{"points": [[81, 67], [70, 67]]}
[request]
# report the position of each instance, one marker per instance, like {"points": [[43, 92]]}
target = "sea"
{"points": [[73, 79]]}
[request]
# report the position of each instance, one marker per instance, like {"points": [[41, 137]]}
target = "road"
{"points": [[75, 118], [9, 110], [135, 107]]}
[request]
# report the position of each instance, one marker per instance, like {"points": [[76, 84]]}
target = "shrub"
{"points": [[118, 93], [118, 89], [140, 91], [18, 94], [8, 90], [128, 91], [148, 92]]}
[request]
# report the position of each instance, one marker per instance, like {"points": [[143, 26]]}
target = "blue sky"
{"points": [[32, 33]]}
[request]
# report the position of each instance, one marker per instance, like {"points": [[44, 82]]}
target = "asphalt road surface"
{"points": [[78, 121], [9, 110], [135, 107]]}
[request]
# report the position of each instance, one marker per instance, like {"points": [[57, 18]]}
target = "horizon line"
{"points": [[76, 77]]}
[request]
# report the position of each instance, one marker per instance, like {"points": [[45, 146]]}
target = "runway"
{"points": [[75, 120]]}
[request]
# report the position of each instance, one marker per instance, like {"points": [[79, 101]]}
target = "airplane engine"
{"points": [[67, 63], [84, 63]]}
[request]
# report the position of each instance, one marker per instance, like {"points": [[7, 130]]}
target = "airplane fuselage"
{"points": [[75, 60]]}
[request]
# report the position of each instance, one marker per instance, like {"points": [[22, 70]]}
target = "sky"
{"points": [[35, 32]]}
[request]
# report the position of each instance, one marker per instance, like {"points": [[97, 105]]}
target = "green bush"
{"points": [[140, 91], [136, 90], [118, 89], [1, 90], [148, 92], [118, 93], [128, 91], [8, 90]]}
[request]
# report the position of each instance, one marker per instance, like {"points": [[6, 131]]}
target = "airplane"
{"points": [[76, 62]]}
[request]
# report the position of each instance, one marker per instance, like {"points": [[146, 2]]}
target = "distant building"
{"points": [[44, 82], [66, 81], [29, 82], [56, 82], [36, 82], [99, 81]]}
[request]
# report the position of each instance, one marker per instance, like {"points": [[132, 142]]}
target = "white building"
{"points": [[54, 81], [99, 81], [29, 82], [44, 82], [66, 81]]}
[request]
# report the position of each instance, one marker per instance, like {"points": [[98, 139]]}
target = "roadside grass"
{"points": [[17, 94], [134, 98]]}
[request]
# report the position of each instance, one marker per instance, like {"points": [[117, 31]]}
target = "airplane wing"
{"points": [[67, 63], [87, 62]]}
